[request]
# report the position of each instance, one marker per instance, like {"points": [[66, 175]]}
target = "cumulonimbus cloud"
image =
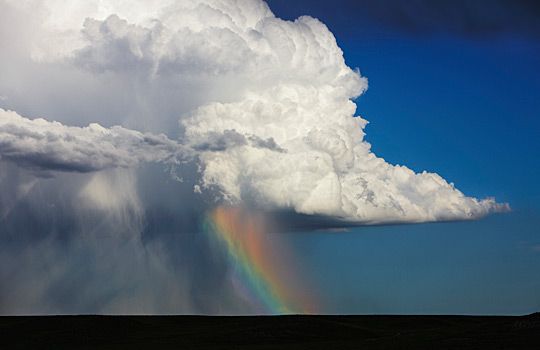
{"points": [[287, 136], [261, 109]]}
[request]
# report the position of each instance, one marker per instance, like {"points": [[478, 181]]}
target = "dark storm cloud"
{"points": [[290, 221], [268, 143], [216, 142], [476, 19], [144, 240]]}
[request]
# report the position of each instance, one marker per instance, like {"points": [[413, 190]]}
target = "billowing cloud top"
{"points": [[265, 104]]}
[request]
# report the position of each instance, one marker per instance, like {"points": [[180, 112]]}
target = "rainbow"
{"points": [[263, 270]]}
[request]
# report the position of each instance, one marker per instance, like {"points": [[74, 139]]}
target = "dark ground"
{"points": [[274, 332]]}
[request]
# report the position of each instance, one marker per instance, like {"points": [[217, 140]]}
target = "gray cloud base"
{"points": [[51, 146]]}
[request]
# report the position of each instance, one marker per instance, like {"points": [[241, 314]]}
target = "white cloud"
{"points": [[327, 167], [43, 145], [266, 103]]}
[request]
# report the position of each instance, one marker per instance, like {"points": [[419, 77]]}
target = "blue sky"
{"points": [[465, 107]]}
